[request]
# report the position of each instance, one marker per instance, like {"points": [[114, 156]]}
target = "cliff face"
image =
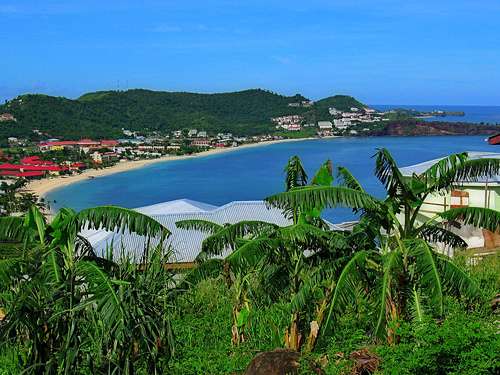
{"points": [[416, 128]]}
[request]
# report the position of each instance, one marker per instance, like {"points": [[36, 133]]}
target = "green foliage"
{"points": [[339, 102], [104, 114], [202, 325], [465, 343], [71, 309]]}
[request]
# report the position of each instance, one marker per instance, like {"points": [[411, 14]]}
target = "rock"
{"points": [[276, 362], [365, 362]]}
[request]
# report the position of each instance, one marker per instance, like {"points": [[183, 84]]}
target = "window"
{"points": [[459, 199]]}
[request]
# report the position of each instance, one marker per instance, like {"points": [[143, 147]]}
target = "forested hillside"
{"points": [[104, 114], [339, 102]]}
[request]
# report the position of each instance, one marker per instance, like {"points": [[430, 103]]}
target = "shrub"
{"points": [[464, 343]]}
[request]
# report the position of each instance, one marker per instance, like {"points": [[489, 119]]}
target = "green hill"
{"points": [[340, 102], [104, 114]]}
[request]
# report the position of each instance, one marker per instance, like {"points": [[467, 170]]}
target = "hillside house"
{"points": [[4, 117], [477, 193]]}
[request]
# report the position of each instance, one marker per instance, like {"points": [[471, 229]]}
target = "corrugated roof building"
{"points": [[186, 244]]}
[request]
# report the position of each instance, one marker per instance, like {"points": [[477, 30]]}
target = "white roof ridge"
{"points": [[421, 167]]}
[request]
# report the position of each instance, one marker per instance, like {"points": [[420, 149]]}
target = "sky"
{"points": [[381, 52]]}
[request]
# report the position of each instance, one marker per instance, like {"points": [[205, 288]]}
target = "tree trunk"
{"points": [[292, 334]]}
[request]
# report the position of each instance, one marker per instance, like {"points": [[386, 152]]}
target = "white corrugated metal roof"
{"points": [[176, 206], [185, 243], [422, 167]]}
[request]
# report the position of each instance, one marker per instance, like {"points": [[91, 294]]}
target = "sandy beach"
{"points": [[44, 186]]}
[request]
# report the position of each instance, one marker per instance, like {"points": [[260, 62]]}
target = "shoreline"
{"points": [[46, 185]]}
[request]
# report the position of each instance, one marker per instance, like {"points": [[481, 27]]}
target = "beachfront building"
{"points": [[85, 145], [185, 245], [342, 123], [201, 142], [325, 128], [476, 193]]}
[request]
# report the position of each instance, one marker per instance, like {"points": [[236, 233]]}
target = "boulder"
{"points": [[276, 362]]}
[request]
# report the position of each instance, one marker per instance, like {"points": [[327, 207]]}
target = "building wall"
{"points": [[437, 203]]}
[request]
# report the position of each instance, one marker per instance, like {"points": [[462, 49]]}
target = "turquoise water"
{"points": [[255, 173]]}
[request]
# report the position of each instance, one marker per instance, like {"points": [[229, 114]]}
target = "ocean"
{"points": [[255, 173], [473, 113]]}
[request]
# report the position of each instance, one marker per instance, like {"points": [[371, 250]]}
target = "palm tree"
{"points": [[288, 261], [402, 264], [399, 211], [14, 200], [61, 299]]}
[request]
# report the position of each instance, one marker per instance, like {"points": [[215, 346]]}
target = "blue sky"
{"points": [[382, 52]]}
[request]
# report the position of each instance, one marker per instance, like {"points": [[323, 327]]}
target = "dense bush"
{"points": [[202, 327], [464, 343]]}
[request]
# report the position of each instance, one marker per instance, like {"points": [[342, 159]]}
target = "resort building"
{"points": [[184, 244], [341, 123], [84, 145], [201, 142], [475, 193]]}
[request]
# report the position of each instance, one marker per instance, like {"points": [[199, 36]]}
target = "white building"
{"points": [[333, 111], [342, 123], [325, 125], [184, 244], [292, 127], [481, 192], [192, 132]]}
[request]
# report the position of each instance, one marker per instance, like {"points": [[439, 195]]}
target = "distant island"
{"points": [[124, 114]]}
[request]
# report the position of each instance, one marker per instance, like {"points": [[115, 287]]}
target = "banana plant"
{"points": [[56, 293], [282, 257], [400, 261]]}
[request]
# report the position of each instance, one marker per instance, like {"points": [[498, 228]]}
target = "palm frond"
{"points": [[52, 268], [83, 248], [474, 169], [443, 174], [248, 255], [476, 216], [103, 291], [323, 176], [8, 268], [321, 196], [417, 306], [118, 218], [228, 236], [347, 284], [200, 225], [295, 174], [437, 234], [348, 180], [209, 269], [456, 279], [387, 171], [34, 219], [303, 233], [315, 280], [428, 270], [391, 261], [11, 228]]}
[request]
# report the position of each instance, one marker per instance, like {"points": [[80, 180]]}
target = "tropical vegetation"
{"points": [[382, 297]]}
